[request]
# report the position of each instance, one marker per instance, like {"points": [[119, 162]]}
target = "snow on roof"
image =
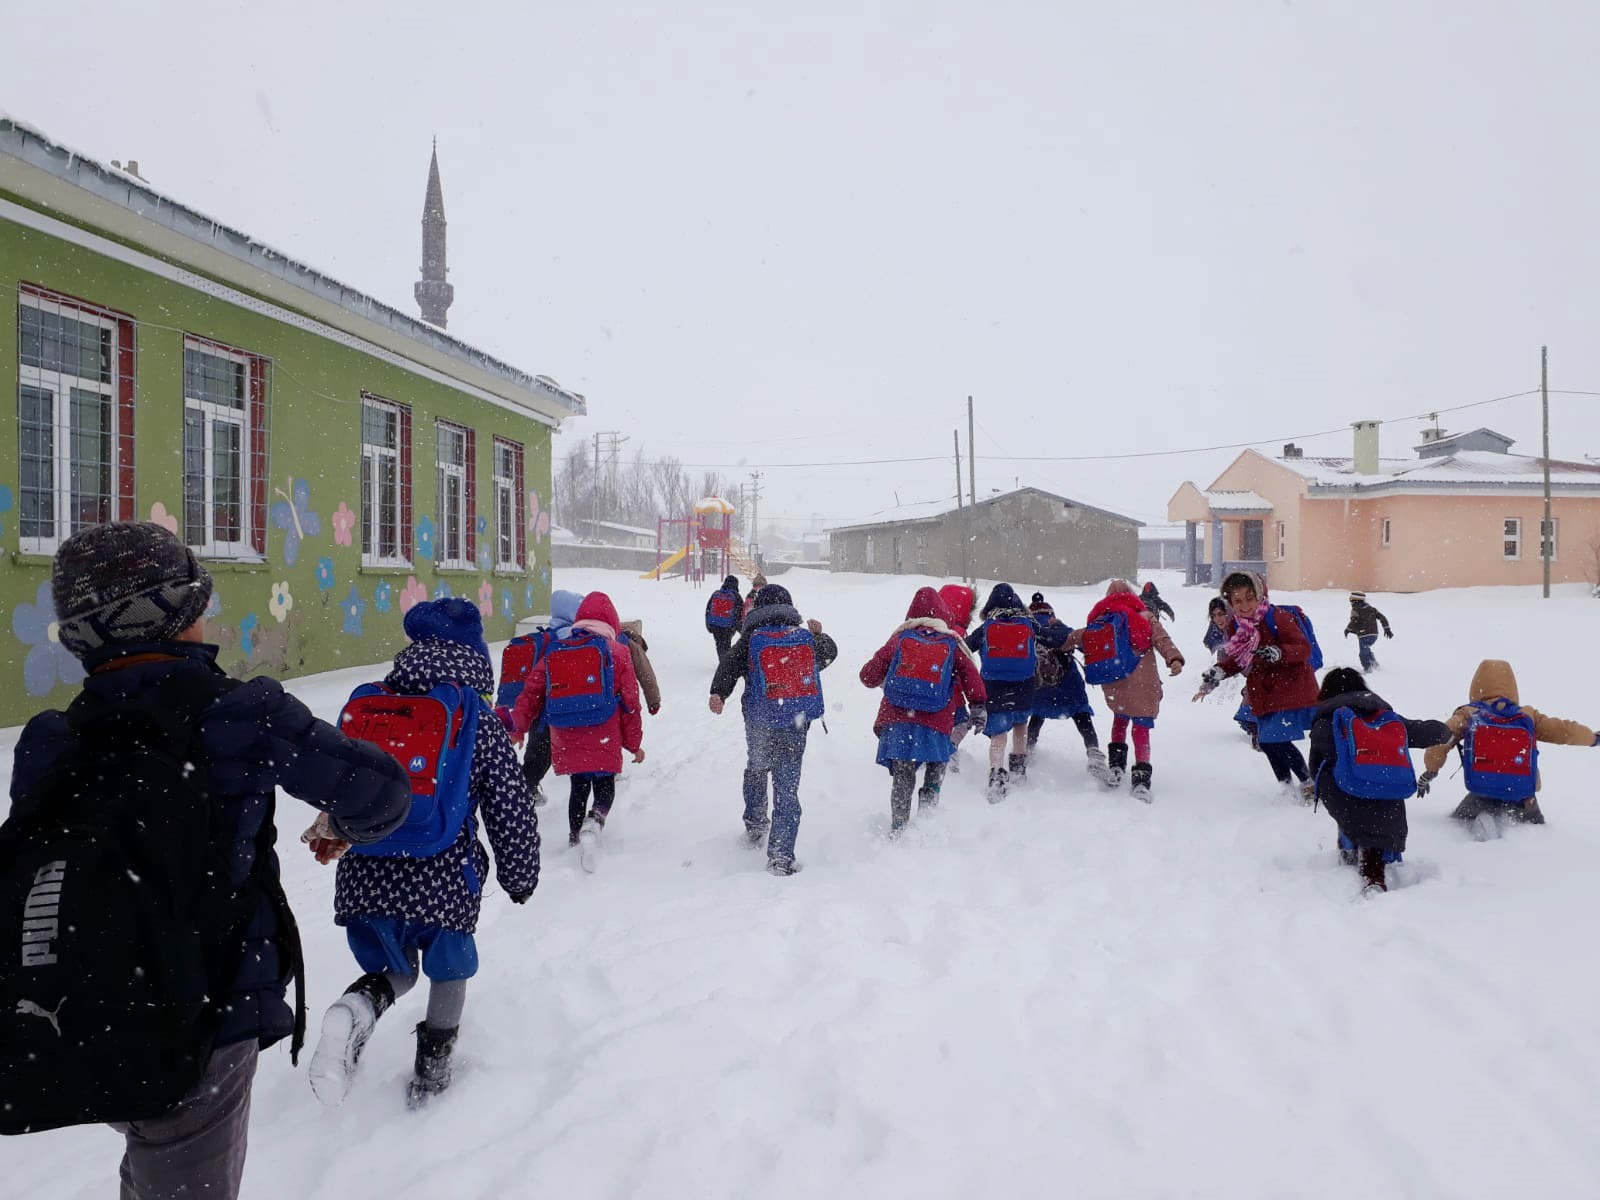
{"points": [[621, 528], [1238, 502], [1161, 533], [1467, 468], [932, 510]]}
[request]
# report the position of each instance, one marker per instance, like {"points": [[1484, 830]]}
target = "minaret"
{"points": [[433, 291]]}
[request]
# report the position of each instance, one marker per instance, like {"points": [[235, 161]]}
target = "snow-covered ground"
{"points": [[1069, 994]]}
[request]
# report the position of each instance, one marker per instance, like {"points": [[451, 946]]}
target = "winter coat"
{"points": [[446, 889], [639, 652], [1154, 604], [1139, 694], [958, 600], [1370, 824], [1287, 684], [256, 737], [1215, 638], [1006, 696], [927, 612], [1494, 680], [589, 749], [735, 664], [1364, 621], [1068, 694], [730, 585]]}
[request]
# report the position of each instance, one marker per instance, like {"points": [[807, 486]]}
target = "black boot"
{"points": [[1141, 781], [1370, 864], [1019, 766], [997, 784], [1116, 762], [433, 1071]]}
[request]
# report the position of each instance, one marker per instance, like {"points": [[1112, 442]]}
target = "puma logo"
{"points": [[27, 1008]]}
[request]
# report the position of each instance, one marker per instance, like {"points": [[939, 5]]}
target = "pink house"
{"points": [[1464, 512]]}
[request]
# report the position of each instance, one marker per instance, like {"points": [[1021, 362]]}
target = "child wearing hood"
{"points": [[724, 613], [912, 737], [397, 910], [1010, 682], [1371, 832], [1062, 695], [1274, 657], [591, 755], [536, 759], [1364, 622], [1495, 704], [959, 600], [1134, 700]]}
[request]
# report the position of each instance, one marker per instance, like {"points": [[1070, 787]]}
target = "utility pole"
{"points": [[605, 487], [1547, 530], [961, 515], [972, 493], [755, 516]]}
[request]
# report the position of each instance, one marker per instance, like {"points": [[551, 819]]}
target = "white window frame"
{"points": [[1386, 533], [1283, 539], [55, 383], [1511, 535], [373, 455], [1555, 538], [451, 478], [505, 506], [872, 552], [211, 414]]}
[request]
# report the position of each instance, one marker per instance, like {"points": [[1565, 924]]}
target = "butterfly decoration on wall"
{"points": [[293, 515]]}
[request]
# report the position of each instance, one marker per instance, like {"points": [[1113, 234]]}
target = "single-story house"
{"points": [[614, 533]]}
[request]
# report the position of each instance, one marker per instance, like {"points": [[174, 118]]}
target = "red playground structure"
{"points": [[707, 546]]}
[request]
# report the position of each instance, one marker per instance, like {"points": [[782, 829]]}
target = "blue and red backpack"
{"points": [[724, 609], [1372, 755], [1108, 653], [431, 736], [1009, 655], [784, 686], [580, 688], [517, 661], [922, 671], [1500, 753], [1304, 622]]}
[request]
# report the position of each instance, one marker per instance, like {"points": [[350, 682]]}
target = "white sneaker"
{"points": [[1098, 769], [1485, 828], [346, 1027], [589, 844]]}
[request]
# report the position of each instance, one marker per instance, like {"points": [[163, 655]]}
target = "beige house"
{"points": [[1465, 512], [1027, 535]]}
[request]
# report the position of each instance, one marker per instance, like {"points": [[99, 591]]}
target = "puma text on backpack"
{"points": [[1372, 755], [783, 684], [1008, 650], [921, 672], [723, 610], [580, 683], [120, 932], [1304, 622], [517, 661], [1500, 754], [431, 736], [1108, 653]]}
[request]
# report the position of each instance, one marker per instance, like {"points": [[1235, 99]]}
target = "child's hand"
{"points": [[1388, 633], [1175, 670], [323, 843], [715, 704], [655, 709], [638, 755]]}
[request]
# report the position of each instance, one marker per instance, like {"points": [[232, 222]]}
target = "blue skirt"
{"points": [[1060, 709], [1290, 725], [1005, 722], [906, 741]]}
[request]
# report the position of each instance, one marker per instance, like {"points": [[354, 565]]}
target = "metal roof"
{"points": [[932, 511]]}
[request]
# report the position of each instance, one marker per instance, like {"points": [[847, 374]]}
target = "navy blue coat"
{"points": [[256, 737], [1008, 697], [1370, 824]]}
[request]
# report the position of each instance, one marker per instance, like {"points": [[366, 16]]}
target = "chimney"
{"points": [[1290, 450], [1433, 435], [1366, 447]]}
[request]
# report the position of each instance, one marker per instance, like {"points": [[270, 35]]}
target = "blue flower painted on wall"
{"points": [[325, 574], [442, 591], [483, 525], [508, 610], [247, 634], [382, 596], [425, 538], [544, 577], [527, 597], [49, 663], [294, 516], [5, 505], [483, 556], [354, 609]]}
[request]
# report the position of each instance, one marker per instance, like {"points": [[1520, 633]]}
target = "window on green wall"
{"points": [[509, 507], [74, 416], [224, 450], [453, 459], [385, 483]]}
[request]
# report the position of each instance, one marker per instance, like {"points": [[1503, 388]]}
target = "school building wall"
{"points": [[338, 613]]}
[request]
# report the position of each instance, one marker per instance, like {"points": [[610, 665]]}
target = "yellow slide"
{"points": [[673, 560]]}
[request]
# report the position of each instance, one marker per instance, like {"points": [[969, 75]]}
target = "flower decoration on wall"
{"points": [[160, 516], [508, 608], [544, 576], [538, 519], [294, 516], [344, 520], [441, 591], [527, 597], [412, 594], [247, 634], [49, 663], [325, 574], [282, 602], [483, 556], [5, 504], [425, 538], [482, 523], [213, 606], [486, 599], [354, 609], [382, 596]]}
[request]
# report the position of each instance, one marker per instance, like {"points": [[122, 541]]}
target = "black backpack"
{"points": [[120, 934]]}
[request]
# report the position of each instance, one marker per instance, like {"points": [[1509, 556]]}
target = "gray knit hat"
{"points": [[125, 583]]}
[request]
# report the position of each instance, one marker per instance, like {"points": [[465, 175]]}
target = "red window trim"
{"points": [[257, 455], [407, 541]]}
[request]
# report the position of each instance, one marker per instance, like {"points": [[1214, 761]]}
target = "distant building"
{"points": [[614, 533], [1027, 535], [1465, 512], [1162, 547]]}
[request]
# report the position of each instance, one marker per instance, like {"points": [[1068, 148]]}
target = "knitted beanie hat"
{"points": [[125, 583], [1358, 597], [452, 619]]}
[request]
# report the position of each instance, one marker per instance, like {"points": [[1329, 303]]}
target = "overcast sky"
{"points": [[783, 234]]}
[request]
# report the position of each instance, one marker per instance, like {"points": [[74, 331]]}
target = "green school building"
{"points": [[331, 459]]}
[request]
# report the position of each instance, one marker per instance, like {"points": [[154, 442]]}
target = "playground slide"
{"points": [[671, 561]]}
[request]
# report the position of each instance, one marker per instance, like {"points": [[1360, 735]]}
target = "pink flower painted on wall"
{"points": [[344, 520], [413, 593], [160, 515], [486, 599], [538, 519]]}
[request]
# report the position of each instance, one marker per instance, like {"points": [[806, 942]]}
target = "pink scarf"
{"points": [[1241, 647]]}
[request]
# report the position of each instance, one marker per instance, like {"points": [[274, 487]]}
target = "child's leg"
{"points": [[446, 1000], [788, 753], [997, 751], [1035, 725], [577, 806], [1286, 760], [536, 762], [932, 781], [1141, 743], [605, 795], [903, 779], [758, 752], [1119, 729], [1085, 724]]}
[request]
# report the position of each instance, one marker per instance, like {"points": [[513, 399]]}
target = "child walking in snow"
{"points": [[397, 908], [724, 612], [1498, 737], [926, 674], [1371, 818], [1216, 626], [1061, 694], [1364, 622], [1268, 647], [515, 669], [1135, 698], [781, 661], [959, 599], [1007, 643], [587, 689]]}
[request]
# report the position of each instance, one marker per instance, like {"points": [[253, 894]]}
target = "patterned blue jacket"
{"points": [[446, 890]]}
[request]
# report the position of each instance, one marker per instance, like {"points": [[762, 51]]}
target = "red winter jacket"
{"points": [[1131, 607], [591, 749], [1289, 683], [927, 611]]}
